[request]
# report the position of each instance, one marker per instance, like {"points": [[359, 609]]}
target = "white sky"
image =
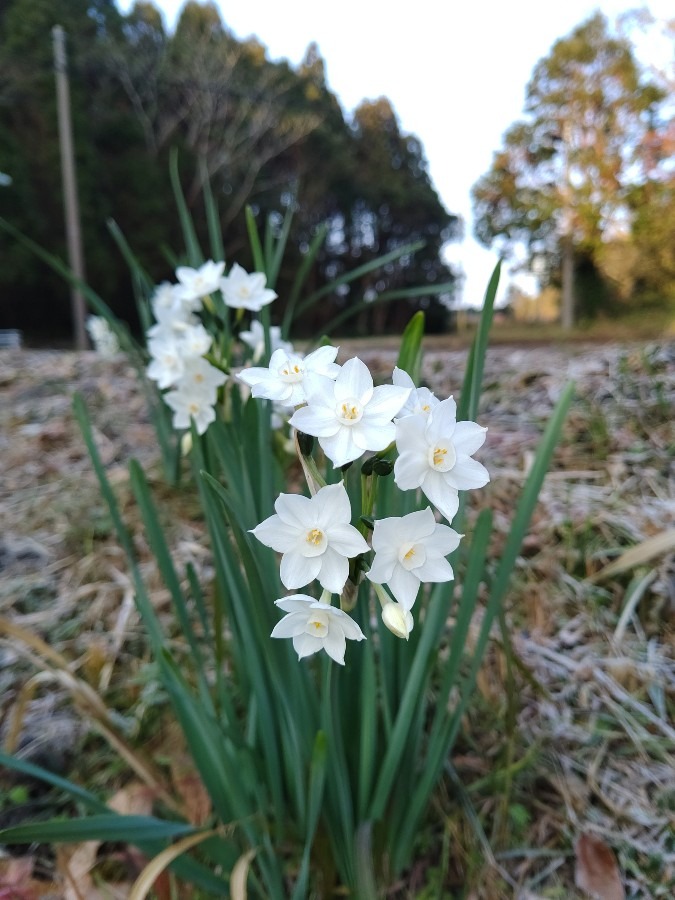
{"points": [[454, 72]]}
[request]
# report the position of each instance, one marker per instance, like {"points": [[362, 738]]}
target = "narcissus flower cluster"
{"points": [[401, 429], [349, 417], [180, 345]]}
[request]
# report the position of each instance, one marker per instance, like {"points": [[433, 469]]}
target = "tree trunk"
{"points": [[567, 312]]}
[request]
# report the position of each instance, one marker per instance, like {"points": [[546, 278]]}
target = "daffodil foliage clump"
{"points": [[320, 766]]}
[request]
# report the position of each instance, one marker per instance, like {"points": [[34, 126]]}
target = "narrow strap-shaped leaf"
{"points": [[317, 780], [467, 408], [274, 263], [95, 301], [188, 869], [212, 219], [378, 263], [74, 790], [300, 278], [410, 354], [142, 600], [167, 570], [100, 827], [368, 724], [254, 240], [193, 250]]}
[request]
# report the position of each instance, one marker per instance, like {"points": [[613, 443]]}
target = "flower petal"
{"points": [[442, 420], [347, 540], [295, 603], [387, 400], [411, 435], [382, 568], [273, 533], [435, 569], [349, 627], [340, 447], [354, 382], [335, 644], [322, 361], [292, 624], [404, 586], [410, 470], [334, 571], [418, 525], [388, 534], [373, 436], [467, 473], [444, 540], [297, 570], [331, 504], [468, 437], [293, 511], [444, 497], [307, 644], [317, 420]]}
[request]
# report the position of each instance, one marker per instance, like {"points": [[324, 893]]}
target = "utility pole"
{"points": [[71, 206]]}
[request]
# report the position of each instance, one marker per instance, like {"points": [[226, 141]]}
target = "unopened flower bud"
{"points": [[186, 444], [383, 467], [397, 619], [305, 443]]}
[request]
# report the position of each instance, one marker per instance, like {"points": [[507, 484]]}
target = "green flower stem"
{"points": [[313, 477]]}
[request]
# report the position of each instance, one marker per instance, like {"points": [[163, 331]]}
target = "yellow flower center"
{"points": [[315, 536], [349, 411], [409, 554], [442, 456]]}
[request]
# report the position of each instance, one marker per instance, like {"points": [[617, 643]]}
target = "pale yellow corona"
{"points": [[350, 411]]}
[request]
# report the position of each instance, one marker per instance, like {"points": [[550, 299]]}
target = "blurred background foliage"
{"points": [[262, 132]]}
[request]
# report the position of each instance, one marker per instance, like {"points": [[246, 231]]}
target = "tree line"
{"points": [[585, 182], [262, 133]]}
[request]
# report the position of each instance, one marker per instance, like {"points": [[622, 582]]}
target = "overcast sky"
{"points": [[454, 72]]}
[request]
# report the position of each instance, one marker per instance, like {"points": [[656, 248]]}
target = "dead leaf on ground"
{"points": [[597, 872], [17, 882]]}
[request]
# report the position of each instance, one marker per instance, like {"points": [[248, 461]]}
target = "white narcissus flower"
{"points": [[243, 291], [284, 380], [195, 394], [168, 363], [187, 405], [193, 341], [103, 337], [255, 339], [315, 626], [435, 455], [198, 283], [409, 550], [315, 536], [167, 304], [199, 376], [349, 415], [421, 400]]}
